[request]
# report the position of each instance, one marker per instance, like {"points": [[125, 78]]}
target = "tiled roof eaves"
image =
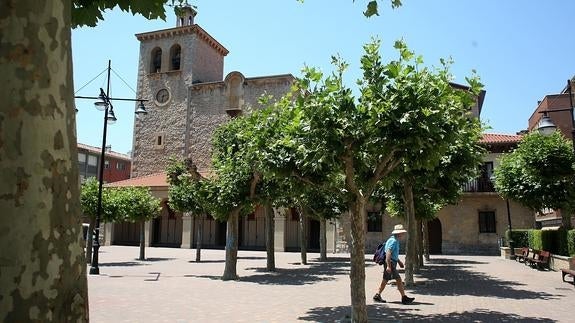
{"points": [[195, 29]]}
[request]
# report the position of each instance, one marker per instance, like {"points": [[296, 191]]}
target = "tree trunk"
{"points": [[142, 240], [43, 269], [419, 245], [89, 240], [230, 272], [411, 246], [566, 218], [200, 228], [270, 230], [357, 273], [322, 240], [303, 235], [425, 240]]}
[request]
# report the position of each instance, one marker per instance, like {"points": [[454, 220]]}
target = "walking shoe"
{"points": [[378, 298], [407, 300]]}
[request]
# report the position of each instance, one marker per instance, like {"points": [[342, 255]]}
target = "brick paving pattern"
{"points": [[171, 287]]}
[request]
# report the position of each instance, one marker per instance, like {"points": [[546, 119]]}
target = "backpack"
{"points": [[379, 254]]}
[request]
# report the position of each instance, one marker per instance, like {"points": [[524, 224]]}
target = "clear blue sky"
{"points": [[522, 50]]}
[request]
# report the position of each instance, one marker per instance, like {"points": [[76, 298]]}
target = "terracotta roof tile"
{"points": [[152, 180], [495, 138]]}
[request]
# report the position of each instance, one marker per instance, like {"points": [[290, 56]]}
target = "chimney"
{"points": [[108, 148], [185, 15]]}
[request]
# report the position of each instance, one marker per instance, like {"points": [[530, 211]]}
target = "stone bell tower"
{"points": [[171, 60]]}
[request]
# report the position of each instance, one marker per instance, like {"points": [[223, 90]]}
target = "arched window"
{"points": [[175, 53], [156, 61]]}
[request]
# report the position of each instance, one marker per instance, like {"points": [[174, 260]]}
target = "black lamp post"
{"points": [[104, 103]]}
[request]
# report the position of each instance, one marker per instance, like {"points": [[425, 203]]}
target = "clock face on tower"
{"points": [[162, 96]]}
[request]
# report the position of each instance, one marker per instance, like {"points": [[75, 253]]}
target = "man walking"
{"points": [[390, 265]]}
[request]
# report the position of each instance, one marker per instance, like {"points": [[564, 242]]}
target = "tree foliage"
{"points": [[89, 12], [188, 191], [89, 201], [539, 173], [136, 204]]}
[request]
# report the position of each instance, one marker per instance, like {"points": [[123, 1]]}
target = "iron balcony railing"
{"points": [[479, 185]]}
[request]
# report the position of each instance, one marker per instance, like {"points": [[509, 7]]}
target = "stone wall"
{"points": [[208, 105], [460, 223]]}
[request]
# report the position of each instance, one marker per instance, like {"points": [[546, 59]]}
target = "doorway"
{"points": [[434, 234]]}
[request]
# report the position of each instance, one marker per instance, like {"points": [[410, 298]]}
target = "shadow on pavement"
{"points": [[158, 259], [448, 277], [122, 264], [312, 273], [381, 313]]}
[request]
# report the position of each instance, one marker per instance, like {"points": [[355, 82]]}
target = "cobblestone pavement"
{"points": [[171, 287]]}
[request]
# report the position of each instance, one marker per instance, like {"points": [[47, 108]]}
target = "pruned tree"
{"points": [[539, 174], [188, 192], [432, 176], [235, 184], [136, 204], [89, 206]]}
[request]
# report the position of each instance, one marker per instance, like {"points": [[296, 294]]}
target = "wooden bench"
{"points": [[520, 256], [531, 255], [540, 260], [566, 272]]}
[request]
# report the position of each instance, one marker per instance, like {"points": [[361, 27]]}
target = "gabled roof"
{"points": [[495, 138], [185, 30]]}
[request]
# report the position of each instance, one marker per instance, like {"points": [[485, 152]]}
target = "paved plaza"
{"points": [[171, 287]]}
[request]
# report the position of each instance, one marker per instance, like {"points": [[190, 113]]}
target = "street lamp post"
{"points": [[105, 104]]}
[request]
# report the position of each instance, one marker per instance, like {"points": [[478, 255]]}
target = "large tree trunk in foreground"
{"points": [[200, 228], [270, 247], [230, 271], [411, 246], [303, 235], [142, 240], [322, 240], [42, 262]]}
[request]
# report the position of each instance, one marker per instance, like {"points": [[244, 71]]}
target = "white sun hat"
{"points": [[398, 229]]}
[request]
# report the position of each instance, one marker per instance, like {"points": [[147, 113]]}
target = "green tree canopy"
{"points": [[89, 201], [539, 173]]}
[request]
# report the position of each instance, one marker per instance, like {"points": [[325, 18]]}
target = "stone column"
{"points": [[108, 233], [187, 230], [330, 235], [148, 233], [279, 229]]}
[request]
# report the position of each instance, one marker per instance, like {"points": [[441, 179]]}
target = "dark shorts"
{"points": [[394, 274]]}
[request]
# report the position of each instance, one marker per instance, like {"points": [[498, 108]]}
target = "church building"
{"points": [[181, 70]]}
